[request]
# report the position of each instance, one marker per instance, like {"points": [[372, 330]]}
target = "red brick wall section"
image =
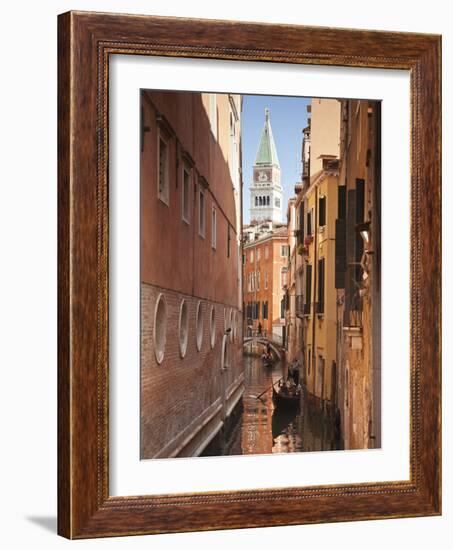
{"points": [[178, 390]]}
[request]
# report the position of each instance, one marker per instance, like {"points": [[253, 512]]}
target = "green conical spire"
{"points": [[267, 153]]}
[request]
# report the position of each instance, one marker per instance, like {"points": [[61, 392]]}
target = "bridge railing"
{"points": [[274, 338]]}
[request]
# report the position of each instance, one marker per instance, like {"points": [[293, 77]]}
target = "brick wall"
{"points": [[181, 394]]}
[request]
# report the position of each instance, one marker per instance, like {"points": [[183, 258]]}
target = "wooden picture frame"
{"points": [[85, 41]]}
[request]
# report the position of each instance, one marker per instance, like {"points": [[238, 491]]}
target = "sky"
{"points": [[288, 116]]}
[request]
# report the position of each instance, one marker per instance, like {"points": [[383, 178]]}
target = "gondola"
{"points": [[286, 398], [267, 360]]}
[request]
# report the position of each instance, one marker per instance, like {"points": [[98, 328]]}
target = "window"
{"points": [[163, 191], [268, 200], [160, 328], [309, 231], [266, 252], [201, 213], [251, 256], [213, 113], [186, 195], [283, 273], [226, 319], [258, 254], [214, 228], [282, 307], [233, 152], [183, 328], [265, 310], [265, 279], [322, 211], [284, 251], [199, 325], [256, 201], [321, 281], [308, 271], [212, 327], [261, 201], [301, 220]]}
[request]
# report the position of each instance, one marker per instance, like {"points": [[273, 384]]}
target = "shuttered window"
{"points": [[308, 271], [322, 211], [301, 220], [350, 255], [340, 239], [359, 218], [342, 202], [340, 252], [321, 284], [309, 232]]}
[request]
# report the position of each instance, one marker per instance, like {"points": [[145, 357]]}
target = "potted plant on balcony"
{"points": [[302, 249]]}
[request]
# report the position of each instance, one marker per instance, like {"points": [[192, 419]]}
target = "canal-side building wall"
{"points": [[316, 207], [291, 321], [265, 270], [358, 278], [190, 269]]}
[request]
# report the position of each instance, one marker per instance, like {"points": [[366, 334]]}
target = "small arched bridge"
{"points": [[276, 348]]}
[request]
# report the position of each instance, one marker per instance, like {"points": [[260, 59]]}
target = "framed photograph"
{"points": [[249, 275]]}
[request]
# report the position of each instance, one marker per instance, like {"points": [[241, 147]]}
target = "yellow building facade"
{"points": [[312, 315]]}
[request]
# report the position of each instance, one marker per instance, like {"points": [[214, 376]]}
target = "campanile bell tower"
{"points": [[265, 189]]}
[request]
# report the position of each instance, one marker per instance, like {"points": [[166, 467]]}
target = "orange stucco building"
{"points": [[265, 269]]}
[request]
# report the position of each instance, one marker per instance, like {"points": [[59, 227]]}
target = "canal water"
{"points": [[261, 429]]}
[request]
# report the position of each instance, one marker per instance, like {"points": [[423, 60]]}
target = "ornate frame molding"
{"points": [[85, 41]]}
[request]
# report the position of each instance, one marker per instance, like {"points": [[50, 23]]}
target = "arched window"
{"points": [[256, 201], [160, 328], [199, 325], [183, 327]]}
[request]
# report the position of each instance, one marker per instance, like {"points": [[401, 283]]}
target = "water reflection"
{"points": [[263, 430]]}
